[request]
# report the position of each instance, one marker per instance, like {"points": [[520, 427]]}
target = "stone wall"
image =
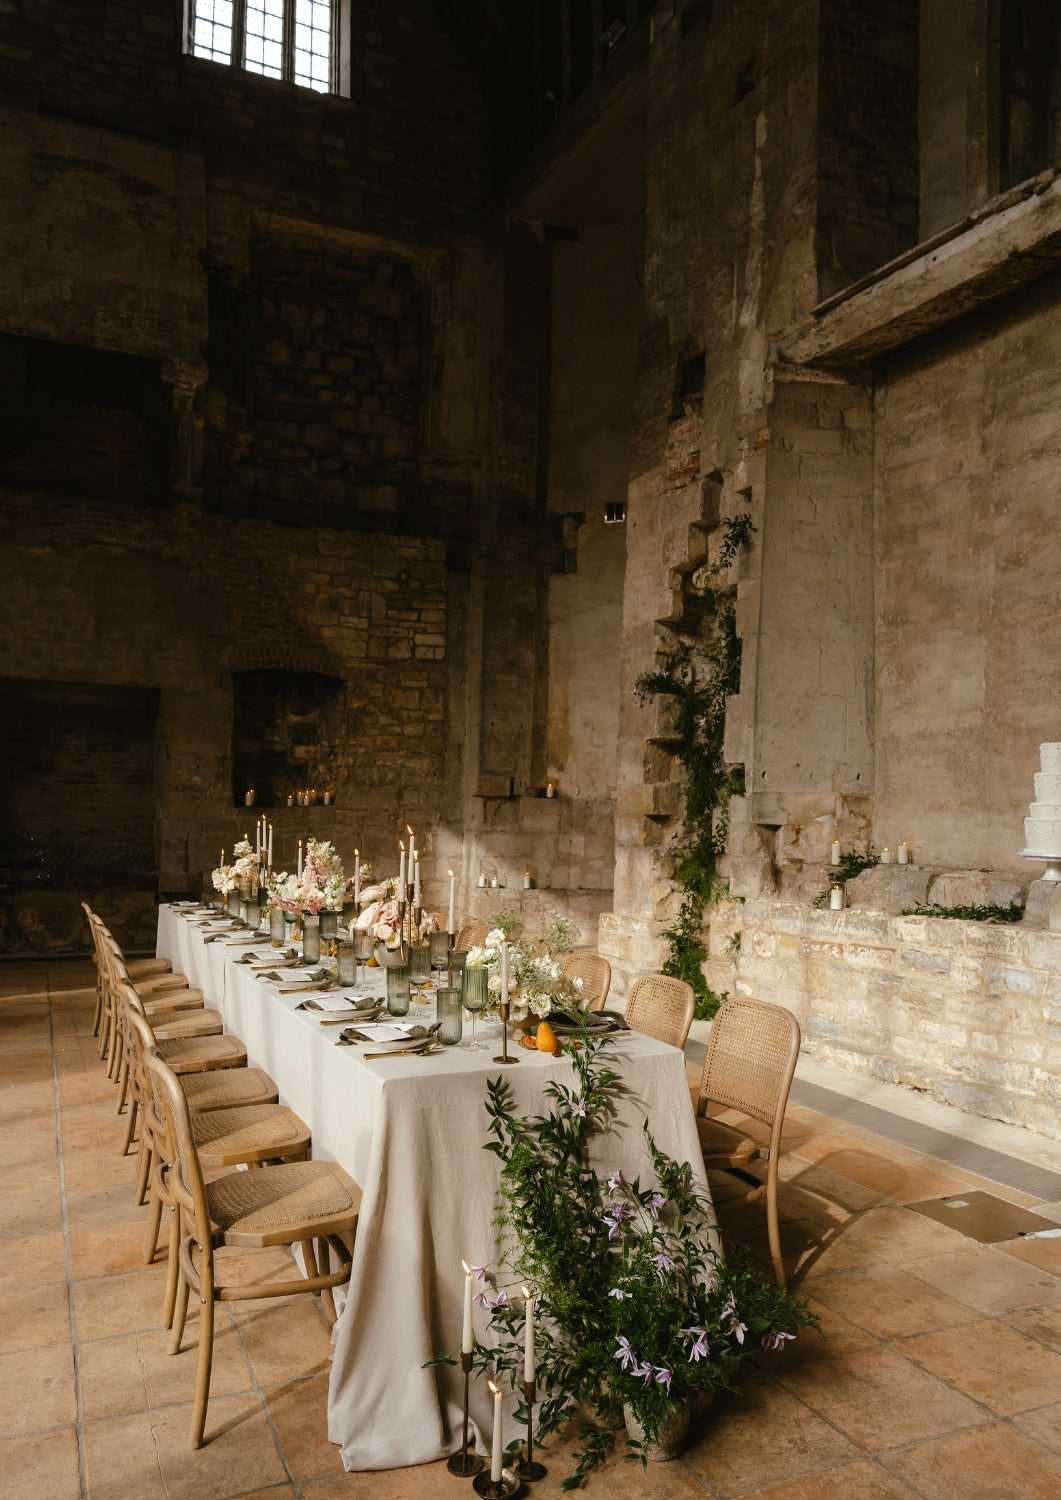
{"points": [[968, 1012]]}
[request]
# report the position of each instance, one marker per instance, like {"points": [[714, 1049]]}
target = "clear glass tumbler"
{"points": [[448, 1013], [345, 959], [398, 990], [311, 939], [419, 969]]}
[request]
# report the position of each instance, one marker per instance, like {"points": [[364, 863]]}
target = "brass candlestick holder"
{"points": [[504, 1058], [465, 1464], [528, 1467], [497, 1489]]}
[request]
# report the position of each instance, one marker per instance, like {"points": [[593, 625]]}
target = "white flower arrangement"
{"points": [[536, 982], [225, 878]]}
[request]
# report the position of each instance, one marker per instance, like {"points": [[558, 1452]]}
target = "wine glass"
{"points": [[364, 947], [419, 969], [440, 942], [474, 994]]}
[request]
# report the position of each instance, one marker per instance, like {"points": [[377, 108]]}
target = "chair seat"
{"points": [[175, 1000], [169, 1024], [724, 1146], [231, 1088], [147, 968], [279, 1205], [158, 983], [255, 1132], [191, 1054]]}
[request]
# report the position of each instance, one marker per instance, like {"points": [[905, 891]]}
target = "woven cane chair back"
{"points": [[471, 935], [595, 973], [661, 1006], [751, 1057]]}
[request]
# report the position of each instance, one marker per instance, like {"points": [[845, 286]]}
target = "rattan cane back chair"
{"points": [[661, 1006], [139, 968], [750, 1060], [471, 935], [595, 973], [286, 1205]]}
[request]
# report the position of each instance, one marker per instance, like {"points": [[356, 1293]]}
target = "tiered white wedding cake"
{"points": [[1042, 830]]}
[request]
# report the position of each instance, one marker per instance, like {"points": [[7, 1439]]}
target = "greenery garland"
{"points": [[700, 679]]}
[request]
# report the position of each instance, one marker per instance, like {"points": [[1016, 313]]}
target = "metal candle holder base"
{"points": [[527, 1467], [504, 1058], [497, 1489], [465, 1464]]}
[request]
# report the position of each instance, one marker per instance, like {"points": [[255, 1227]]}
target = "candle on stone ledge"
{"points": [[886, 856], [834, 852], [550, 790], [248, 800], [526, 880], [836, 898], [904, 853], [482, 880], [452, 927]]}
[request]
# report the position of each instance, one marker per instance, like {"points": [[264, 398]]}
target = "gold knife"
{"points": [[317, 989]]}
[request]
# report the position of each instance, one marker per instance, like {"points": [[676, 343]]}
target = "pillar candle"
{"points": [[452, 928], [357, 878], [270, 846], [904, 854], [836, 898], [466, 1334], [526, 880], [401, 872], [886, 856], [416, 880], [482, 880], [834, 853], [550, 791], [528, 1348], [498, 1448]]}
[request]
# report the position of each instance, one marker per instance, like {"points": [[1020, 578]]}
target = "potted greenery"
{"points": [[638, 1313]]}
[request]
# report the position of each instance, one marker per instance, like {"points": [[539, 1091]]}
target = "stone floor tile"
{"points": [[104, 1252], [37, 1390], [31, 1214], [88, 1169], [32, 1261], [987, 1281], [901, 1182], [878, 1398], [100, 1207], [989, 1463], [727, 1450], [47, 1460], [135, 1371], [36, 1318], [897, 1234], [1044, 1425], [131, 1302], [121, 1461], [29, 1177], [889, 1303], [291, 1342], [299, 1412], [1046, 1254], [857, 1481], [239, 1453], [991, 1362]]}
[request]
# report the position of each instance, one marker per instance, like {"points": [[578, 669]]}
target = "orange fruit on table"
{"points": [[545, 1037]]}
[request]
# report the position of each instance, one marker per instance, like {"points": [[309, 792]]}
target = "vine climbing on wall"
{"points": [[699, 679]]}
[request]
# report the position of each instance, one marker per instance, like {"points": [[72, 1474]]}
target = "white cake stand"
{"points": [[1053, 863]]}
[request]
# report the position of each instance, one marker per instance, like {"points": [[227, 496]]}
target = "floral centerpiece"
{"points": [[536, 982], [224, 879], [637, 1312], [248, 865], [381, 917], [323, 871]]}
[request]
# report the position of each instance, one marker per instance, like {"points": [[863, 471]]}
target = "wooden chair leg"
{"points": [[323, 1263], [123, 1088], [130, 1130], [154, 1225], [772, 1224], [206, 1356], [143, 1170]]}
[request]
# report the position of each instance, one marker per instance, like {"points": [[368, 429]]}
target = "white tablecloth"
{"points": [[411, 1131]]}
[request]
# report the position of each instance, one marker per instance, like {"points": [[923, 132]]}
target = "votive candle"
{"points": [[834, 853], [904, 853], [526, 880], [886, 856]]}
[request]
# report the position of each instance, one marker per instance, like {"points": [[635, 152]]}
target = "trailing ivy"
{"points": [[850, 867], [1011, 913], [699, 680]]}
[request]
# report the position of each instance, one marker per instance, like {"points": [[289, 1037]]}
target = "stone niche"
{"points": [[77, 820], [287, 727]]}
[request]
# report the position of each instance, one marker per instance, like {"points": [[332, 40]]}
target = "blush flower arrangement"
{"points": [[638, 1313]]}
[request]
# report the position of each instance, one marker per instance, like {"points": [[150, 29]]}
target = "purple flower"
{"points": [[775, 1338], [643, 1372], [480, 1299], [480, 1272], [736, 1327], [662, 1261], [499, 1301], [615, 1181], [578, 1107], [614, 1216], [698, 1349], [664, 1377], [619, 1295], [626, 1356], [655, 1203]]}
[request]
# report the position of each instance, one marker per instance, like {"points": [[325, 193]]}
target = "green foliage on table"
{"points": [[634, 1304], [504, 920], [991, 913], [700, 679]]}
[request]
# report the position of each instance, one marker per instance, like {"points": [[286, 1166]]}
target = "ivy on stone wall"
{"points": [[699, 680]]}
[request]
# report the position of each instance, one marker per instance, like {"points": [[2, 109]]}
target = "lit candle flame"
{"points": [[526, 1292], [450, 874], [467, 1268], [493, 1387]]}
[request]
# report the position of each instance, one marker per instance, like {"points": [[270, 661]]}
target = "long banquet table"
{"points": [[411, 1131]]}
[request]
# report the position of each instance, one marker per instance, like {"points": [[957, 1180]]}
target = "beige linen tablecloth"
{"points": [[411, 1131]]}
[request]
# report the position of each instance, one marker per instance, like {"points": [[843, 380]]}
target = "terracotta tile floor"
{"points": [[940, 1377]]}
